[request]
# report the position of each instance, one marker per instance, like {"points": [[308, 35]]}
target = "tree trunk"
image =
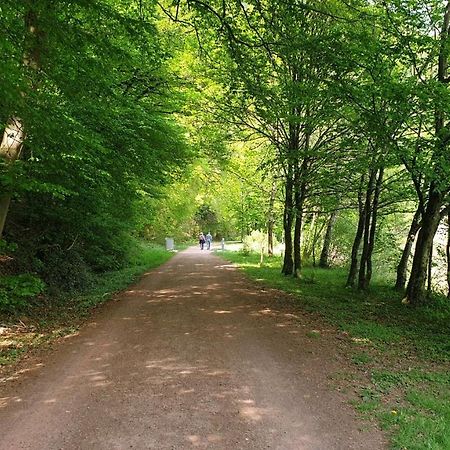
{"points": [[309, 239], [447, 251], [300, 193], [298, 231], [403, 264], [10, 149], [443, 70], [288, 263], [14, 135], [271, 220], [325, 254], [373, 226], [242, 212], [299, 204], [430, 269], [316, 236], [351, 279], [5, 200], [366, 231], [298, 222], [297, 235], [314, 253], [416, 292]]}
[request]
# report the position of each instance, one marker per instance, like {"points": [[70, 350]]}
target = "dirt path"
{"points": [[193, 356]]}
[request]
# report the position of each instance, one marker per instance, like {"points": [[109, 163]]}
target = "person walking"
{"points": [[208, 240], [201, 240]]}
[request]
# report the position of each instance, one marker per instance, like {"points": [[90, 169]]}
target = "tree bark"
{"points": [[403, 264], [314, 252], [10, 149], [14, 134], [300, 195], [5, 200], [288, 262], [430, 269], [325, 253], [447, 251], [298, 231], [271, 220], [373, 227], [416, 292], [351, 279], [308, 241], [366, 230], [316, 236], [299, 204], [243, 212]]}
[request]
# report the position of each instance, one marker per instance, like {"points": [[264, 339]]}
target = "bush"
{"points": [[15, 291], [255, 242], [64, 271]]}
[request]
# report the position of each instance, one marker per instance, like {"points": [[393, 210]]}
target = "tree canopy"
{"points": [[322, 124]]}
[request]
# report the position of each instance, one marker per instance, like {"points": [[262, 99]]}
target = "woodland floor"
{"points": [[192, 356]]}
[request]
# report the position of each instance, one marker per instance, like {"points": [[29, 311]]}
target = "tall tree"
{"points": [[96, 107]]}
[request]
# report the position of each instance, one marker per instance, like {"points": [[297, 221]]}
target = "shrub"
{"points": [[16, 290], [64, 271], [255, 241]]}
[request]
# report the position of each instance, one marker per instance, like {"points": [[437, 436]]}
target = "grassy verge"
{"points": [[47, 318], [401, 356]]}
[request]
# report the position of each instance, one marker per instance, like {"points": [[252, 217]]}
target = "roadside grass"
{"points": [[401, 355], [47, 318]]}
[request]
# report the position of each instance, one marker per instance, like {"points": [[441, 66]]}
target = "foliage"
{"points": [[255, 242], [155, 119], [259, 96], [15, 291], [99, 139], [206, 218]]}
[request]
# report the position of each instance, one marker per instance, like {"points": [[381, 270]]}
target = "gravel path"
{"points": [[192, 356]]}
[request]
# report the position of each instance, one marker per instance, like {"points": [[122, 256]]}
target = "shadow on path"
{"points": [[192, 356]]}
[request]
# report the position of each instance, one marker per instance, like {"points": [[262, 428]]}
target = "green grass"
{"points": [[401, 353], [47, 318], [361, 358], [423, 421]]}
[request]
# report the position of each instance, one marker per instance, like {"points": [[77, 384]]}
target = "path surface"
{"points": [[192, 356]]}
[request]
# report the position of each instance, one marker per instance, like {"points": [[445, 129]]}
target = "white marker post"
{"points": [[169, 244]]}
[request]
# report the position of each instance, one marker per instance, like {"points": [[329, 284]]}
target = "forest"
{"points": [[316, 133], [322, 125]]}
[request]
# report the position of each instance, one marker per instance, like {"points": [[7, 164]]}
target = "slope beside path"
{"points": [[192, 356]]}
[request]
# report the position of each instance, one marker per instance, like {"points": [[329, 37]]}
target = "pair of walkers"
{"points": [[202, 239]]}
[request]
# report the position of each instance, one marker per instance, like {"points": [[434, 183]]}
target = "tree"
{"points": [[96, 107], [269, 65], [325, 253]]}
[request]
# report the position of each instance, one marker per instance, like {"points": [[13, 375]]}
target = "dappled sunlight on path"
{"points": [[192, 356]]}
